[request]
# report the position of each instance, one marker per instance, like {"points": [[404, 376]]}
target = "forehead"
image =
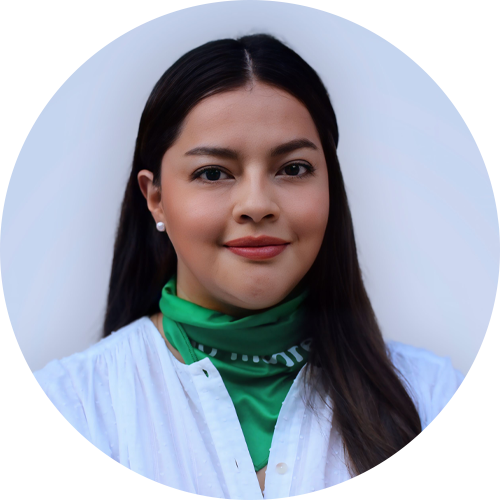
{"points": [[260, 114]]}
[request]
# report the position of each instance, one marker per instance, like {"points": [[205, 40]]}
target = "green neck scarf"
{"points": [[258, 356]]}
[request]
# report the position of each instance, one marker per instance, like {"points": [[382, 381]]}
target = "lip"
{"points": [[258, 253], [256, 241]]}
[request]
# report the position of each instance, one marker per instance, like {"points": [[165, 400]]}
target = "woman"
{"points": [[242, 356]]}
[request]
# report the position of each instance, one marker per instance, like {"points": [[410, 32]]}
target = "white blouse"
{"points": [[168, 421]]}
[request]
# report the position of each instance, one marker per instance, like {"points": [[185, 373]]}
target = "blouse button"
{"points": [[282, 468]]}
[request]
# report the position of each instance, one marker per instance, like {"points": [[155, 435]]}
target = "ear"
{"points": [[152, 195]]}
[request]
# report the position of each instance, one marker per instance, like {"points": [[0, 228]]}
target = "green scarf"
{"points": [[258, 356]]}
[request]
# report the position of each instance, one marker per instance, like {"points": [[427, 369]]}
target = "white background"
{"points": [[415, 89]]}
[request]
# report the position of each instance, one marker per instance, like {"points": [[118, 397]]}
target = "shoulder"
{"points": [[416, 360], [430, 379], [75, 382]]}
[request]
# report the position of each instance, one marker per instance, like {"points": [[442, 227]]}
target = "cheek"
{"points": [[193, 219], [197, 220], [310, 217]]}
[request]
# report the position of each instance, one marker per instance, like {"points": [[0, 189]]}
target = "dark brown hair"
{"points": [[374, 413]]}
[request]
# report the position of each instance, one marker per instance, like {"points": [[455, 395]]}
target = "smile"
{"points": [[260, 253]]}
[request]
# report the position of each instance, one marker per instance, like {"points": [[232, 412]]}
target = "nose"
{"points": [[254, 200]]}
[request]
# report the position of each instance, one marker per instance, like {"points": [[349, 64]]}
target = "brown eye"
{"points": [[211, 174], [292, 170], [297, 170]]}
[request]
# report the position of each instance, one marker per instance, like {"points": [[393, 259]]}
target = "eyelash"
{"points": [[309, 171]]}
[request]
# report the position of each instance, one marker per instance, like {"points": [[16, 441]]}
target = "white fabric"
{"points": [[168, 421]]}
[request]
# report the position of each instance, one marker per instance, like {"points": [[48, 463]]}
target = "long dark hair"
{"points": [[374, 413]]}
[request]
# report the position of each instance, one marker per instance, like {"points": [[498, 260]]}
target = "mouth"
{"points": [[259, 253]]}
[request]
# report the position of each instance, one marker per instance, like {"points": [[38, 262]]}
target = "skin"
{"points": [[255, 192]]}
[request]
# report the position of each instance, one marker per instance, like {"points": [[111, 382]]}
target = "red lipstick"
{"points": [[257, 247]]}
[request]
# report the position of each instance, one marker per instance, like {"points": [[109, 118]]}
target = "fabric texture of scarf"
{"points": [[258, 356]]}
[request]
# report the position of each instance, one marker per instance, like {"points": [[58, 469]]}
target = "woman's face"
{"points": [[248, 163]]}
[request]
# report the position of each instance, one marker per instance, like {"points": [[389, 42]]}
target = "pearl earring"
{"points": [[160, 226]]}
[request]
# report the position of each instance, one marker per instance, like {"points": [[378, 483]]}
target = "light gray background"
{"points": [[422, 203]]}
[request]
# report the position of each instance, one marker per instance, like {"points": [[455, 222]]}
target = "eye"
{"points": [[213, 173], [293, 169]]}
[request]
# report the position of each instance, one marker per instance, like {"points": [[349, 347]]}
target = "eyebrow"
{"points": [[231, 154]]}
